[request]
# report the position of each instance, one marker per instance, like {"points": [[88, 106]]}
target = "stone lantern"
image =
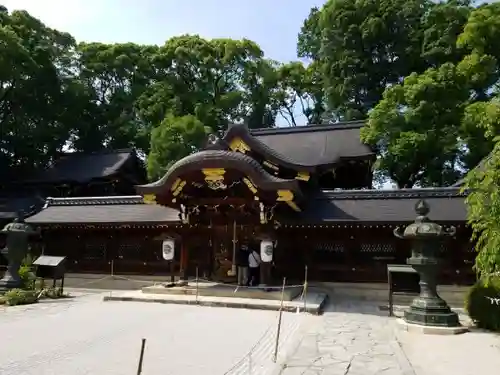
{"points": [[428, 309]]}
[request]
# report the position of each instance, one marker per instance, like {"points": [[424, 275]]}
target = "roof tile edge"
{"points": [[91, 201], [308, 128], [441, 192]]}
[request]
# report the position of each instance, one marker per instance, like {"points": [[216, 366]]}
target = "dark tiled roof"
{"points": [[219, 159], [84, 167], [316, 144], [103, 210], [11, 205], [385, 206], [364, 206]]}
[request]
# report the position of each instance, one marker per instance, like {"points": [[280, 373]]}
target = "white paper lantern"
{"points": [[168, 249], [266, 251]]}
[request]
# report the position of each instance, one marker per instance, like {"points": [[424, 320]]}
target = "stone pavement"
{"points": [[355, 338], [84, 336]]}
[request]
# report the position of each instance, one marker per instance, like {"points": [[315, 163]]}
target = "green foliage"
{"points": [[27, 277], [483, 204], [55, 92], [426, 73], [173, 139], [481, 305], [366, 46], [16, 297]]}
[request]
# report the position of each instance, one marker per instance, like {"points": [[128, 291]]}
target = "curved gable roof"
{"points": [[219, 159], [304, 147]]}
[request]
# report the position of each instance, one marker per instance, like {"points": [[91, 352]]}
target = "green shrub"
{"points": [[483, 303], [27, 277], [15, 297]]}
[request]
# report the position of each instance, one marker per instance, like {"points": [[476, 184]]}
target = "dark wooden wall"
{"points": [[127, 251], [340, 254], [352, 254]]}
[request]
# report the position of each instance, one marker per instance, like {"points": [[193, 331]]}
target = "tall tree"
{"points": [[113, 77], [365, 46], [217, 82], [417, 125], [481, 36], [173, 139], [35, 76], [300, 93]]}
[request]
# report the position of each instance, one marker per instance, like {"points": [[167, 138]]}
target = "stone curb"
{"points": [[317, 310]]}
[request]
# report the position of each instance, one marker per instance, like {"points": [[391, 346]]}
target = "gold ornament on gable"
{"points": [[214, 178]]}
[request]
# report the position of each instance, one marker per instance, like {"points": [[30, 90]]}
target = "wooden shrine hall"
{"points": [[301, 196]]}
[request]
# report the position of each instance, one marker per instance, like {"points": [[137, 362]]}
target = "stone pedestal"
{"points": [[11, 279], [428, 309], [430, 330]]}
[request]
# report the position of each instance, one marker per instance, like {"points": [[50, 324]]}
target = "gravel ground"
{"points": [[84, 335]]}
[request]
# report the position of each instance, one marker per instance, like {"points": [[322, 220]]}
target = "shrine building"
{"points": [[307, 190]]}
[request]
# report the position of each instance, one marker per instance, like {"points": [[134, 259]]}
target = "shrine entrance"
{"points": [[224, 199], [213, 238]]}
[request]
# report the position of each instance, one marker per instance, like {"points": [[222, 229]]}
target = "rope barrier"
{"points": [[252, 350]]}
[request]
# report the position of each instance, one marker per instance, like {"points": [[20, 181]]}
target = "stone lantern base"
{"points": [[431, 311], [430, 330]]}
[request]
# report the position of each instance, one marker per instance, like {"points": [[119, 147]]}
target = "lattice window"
{"points": [[379, 248], [377, 251], [330, 247], [95, 250], [130, 250]]}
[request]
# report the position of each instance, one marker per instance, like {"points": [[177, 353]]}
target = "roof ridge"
{"points": [[392, 194], [90, 201], [103, 151], [309, 128]]}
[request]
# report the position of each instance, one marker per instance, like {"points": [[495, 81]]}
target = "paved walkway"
{"points": [[357, 339]]}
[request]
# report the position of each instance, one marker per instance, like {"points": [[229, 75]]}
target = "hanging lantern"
{"points": [[168, 249], [266, 251]]}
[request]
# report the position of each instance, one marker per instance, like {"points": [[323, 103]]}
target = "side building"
{"points": [[306, 188], [103, 173]]}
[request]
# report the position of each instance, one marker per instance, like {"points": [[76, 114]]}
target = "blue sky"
{"points": [[273, 24]]}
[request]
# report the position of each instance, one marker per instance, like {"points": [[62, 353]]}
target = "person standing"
{"points": [[242, 264], [254, 264]]}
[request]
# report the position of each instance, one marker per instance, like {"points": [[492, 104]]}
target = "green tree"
{"points": [[300, 93], [113, 76], [35, 76], [214, 80], [483, 204], [418, 126], [431, 127], [481, 36], [364, 46], [173, 139]]}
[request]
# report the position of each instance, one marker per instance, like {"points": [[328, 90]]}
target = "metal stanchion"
{"points": [[305, 289], [112, 268], [276, 345]]}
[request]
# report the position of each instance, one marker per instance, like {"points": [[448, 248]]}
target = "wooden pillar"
{"points": [[265, 273], [184, 262]]}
